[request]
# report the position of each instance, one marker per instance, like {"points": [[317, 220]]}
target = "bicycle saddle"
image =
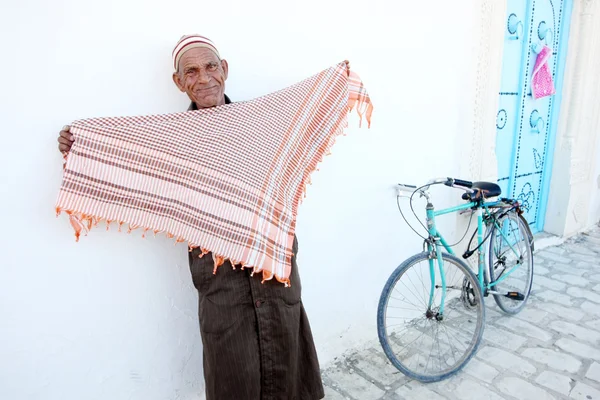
{"points": [[485, 189]]}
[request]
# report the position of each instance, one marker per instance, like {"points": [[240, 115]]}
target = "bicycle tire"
{"points": [[529, 233], [387, 343], [506, 304]]}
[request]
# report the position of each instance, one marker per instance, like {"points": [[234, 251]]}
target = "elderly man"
{"points": [[256, 336]]}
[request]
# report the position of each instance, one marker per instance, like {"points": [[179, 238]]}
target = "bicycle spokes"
{"points": [[511, 263], [432, 333]]}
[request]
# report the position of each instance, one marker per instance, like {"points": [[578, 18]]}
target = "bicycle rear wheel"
{"points": [[513, 249], [415, 339]]}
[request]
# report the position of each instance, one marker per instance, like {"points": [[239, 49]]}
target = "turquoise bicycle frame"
{"points": [[438, 238]]}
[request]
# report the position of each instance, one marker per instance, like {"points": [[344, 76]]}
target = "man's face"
{"points": [[202, 76]]}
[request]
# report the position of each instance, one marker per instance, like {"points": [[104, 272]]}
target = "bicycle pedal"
{"points": [[515, 296]]}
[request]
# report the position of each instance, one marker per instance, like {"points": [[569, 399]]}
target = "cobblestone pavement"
{"points": [[551, 350]]}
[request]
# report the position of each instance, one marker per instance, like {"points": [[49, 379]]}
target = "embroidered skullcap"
{"points": [[188, 42]]}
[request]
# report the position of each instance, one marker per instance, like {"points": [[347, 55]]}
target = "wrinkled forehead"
{"points": [[193, 43], [198, 57]]}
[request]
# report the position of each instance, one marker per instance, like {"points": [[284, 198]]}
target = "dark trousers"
{"points": [[256, 336]]}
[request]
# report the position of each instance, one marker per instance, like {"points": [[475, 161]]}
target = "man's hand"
{"points": [[65, 140]]}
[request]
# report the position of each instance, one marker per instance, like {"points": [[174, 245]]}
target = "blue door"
{"points": [[526, 125]]}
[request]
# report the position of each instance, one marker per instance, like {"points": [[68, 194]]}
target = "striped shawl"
{"points": [[227, 179]]}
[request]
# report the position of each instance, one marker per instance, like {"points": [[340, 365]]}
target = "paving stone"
{"points": [[331, 394], [591, 308], [553, 257], [522, 327], [469, 389], [581, 391], [579, 349], [495, 312], [594, 324], [542, 261], [550, 283], [481, 371], [355, 385], [417, 391], [567, 269], [532, 315], [587, 266], [557, 382], [560, 250], [593, 372], [571, 279], [576, 248], [378, 368], [596, 288], [585, 294], [593, 239], [587, 259], [560, 298], [502, 338], [553, 359], [595, 277], [535, 288], [506, 361], [592, 261], [522, 390], [582, 334], [560, 311], [540, 270]]}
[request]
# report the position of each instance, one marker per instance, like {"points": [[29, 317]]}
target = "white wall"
{"points": [[594, 212], [574, 198], [114, 316]]}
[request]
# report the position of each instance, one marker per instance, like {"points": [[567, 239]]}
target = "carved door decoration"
{"points": [[526, 124]]}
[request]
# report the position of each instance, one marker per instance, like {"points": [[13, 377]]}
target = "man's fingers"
{"points": [[63, 148], [65, 132], [67, 135], [348, 65], [65, 141]]}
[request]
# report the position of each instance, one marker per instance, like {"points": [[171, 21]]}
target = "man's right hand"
{"points": [[65, 140]]}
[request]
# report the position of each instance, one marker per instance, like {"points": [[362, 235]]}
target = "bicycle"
{"points": [[438, 325]]}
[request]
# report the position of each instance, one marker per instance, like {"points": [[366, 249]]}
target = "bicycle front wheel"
{"points": [[419, 339], [511, 262]]}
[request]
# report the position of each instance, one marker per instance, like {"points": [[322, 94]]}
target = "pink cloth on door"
{"points": [[541, 79]]}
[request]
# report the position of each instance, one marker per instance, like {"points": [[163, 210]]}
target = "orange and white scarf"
{"points": [[227, 179]]}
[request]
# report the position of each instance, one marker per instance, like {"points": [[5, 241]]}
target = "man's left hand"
{"points": [[348, 64]]}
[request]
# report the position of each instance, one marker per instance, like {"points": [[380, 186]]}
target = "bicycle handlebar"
{"points": [[459, 182], [450, 182], [406, 188]]}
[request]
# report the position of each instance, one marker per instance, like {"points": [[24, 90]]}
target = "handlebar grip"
{"points": [[460, 182], [408, 186]]}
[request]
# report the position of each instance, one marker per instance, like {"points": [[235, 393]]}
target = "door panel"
{"points": [[525, 126]]}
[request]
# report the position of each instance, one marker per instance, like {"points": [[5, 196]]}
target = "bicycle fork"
{"points": [[434, 244], [435, 254]]}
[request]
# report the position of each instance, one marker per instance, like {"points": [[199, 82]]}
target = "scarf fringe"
{"points": [[83, 223], [363, 108]]}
